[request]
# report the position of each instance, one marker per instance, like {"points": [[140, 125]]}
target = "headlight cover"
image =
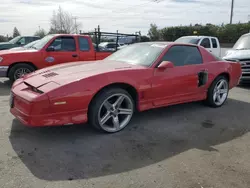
{"points": [[1, 59]]}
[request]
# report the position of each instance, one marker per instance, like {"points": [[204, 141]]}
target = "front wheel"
{"points": [[218, 92], [18, 70], [112, 110]]}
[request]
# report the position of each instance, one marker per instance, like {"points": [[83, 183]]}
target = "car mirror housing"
{"points": [[50, 49], [165, 65]]}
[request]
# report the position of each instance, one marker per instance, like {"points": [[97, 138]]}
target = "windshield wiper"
{"points": [[33, 47]]}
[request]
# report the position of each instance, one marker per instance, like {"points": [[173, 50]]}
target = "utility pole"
{"points": [[75, 24], [232, 12]]}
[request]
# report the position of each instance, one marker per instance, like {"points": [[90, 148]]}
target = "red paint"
{"points": [[77, 83]]}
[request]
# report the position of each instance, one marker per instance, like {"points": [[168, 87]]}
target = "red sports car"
{"points": [[106, 93]]}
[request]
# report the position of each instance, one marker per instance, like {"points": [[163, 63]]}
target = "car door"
{"points": [[180, 83], [206, 43], [61, 50], [86, 52], [215, 47]]}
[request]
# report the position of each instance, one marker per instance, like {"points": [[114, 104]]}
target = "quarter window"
{"points": [[206, 43], [64, 44], [83, 44], [214, 42], [183, 55]]}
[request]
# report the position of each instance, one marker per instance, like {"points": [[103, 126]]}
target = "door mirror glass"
{"points": [[51, 49], [165, 65]]}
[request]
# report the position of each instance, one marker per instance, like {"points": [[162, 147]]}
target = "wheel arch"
{"points": [[21, 62], [127, 87]]}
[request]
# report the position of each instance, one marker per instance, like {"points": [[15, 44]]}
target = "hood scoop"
{"points": [[49, 75]]}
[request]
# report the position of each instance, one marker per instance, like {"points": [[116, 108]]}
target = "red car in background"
{"points": [[106, 93]]}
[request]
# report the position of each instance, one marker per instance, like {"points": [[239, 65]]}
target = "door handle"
{"points": [[74, 55]]}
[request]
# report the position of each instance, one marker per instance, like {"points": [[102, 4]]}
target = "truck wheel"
{"points": [[218, 92], [19, 70], [112, 110]]}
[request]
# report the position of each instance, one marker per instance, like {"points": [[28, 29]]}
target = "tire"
{"points": [[19, 67], [103, 105], [212, 90]]}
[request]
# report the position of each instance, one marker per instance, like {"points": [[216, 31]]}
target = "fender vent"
{"points": [[51, 74]]}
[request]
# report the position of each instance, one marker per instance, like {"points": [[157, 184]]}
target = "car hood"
{"points": [[4, 43], [15, 51], [237, 54], [71, 72]]}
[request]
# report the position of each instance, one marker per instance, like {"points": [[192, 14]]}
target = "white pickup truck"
{"points": [[212, 44], [241, 53]]}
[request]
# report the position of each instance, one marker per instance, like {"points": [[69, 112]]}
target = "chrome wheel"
{"points": [[220, 92], [20, 72], [115, 112]]}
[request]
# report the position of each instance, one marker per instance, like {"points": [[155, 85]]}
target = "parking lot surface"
{"points": [[182, 146]]}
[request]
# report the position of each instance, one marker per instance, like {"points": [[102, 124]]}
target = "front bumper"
{"points": [[3, 71], [53, 119]]}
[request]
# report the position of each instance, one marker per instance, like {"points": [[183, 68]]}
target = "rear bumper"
{"points": [[65, 118], [3, 71]]}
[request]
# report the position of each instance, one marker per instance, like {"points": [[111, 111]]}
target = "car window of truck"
{"points": [[64, 43], [83, 44], [214, 42], [206, 43], [183, 55]]}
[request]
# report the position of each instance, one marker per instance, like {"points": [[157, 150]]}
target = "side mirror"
{"points": [[50, 49], [165, 65], [18, 43]]}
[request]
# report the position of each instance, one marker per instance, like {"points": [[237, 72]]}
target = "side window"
{"points": [[22, 41], [64, 44], [28, 40], [214, 42], [83, 44], [183, 55], [206, 43]]}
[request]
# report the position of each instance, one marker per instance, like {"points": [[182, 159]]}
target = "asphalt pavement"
{"points": [[182, 146]]}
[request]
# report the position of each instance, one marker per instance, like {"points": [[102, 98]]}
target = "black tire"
{"points": [[210, 101], [13, 70], [99, 100]]}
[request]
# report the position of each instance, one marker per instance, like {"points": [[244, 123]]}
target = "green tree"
{"points": [[16, 32], [40, 33], [3, 38], [153, 32]]}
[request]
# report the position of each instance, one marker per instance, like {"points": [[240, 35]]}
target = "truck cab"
{"points": [[51, 50], [212, 44], [241, 53]]}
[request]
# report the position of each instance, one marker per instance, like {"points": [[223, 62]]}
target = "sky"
{"points": [[127, 16]]}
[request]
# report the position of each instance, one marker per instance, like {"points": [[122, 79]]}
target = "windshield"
{"points": [[14, 40], [190, 40], [143, 54], [42, 42], [242, 43], [30, 44]]}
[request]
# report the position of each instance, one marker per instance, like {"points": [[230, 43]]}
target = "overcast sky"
{"points": [[123, 15]]}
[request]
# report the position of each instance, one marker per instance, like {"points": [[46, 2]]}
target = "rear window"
{"points": [[214, 42], [83, 44]]}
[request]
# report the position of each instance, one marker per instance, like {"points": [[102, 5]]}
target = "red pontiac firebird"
{"points": [[106, 93]]}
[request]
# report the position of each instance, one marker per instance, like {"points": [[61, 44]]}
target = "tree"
{"points": [[15, 32], [63, 22], [153, 32], [3, 38], [40, 33], [145, 39]]}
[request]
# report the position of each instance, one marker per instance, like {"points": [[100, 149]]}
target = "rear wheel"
{"points": [[218, 92], [112, 110], [18, 70]]}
